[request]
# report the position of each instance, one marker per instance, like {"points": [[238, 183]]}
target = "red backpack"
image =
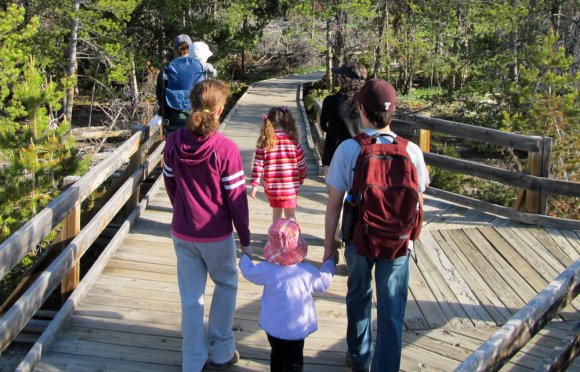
{"points": [[385, 191]]}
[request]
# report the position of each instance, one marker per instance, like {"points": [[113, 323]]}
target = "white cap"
{"points": [[200, 51]]}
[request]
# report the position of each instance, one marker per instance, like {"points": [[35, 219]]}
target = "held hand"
{"points": [[330, 253], [336, 258], [254, 191], [247, 250]]}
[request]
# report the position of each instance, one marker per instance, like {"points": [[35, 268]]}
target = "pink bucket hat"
{"points": [[285, 246]]}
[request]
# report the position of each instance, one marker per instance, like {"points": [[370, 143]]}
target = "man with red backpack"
{"points": [[384, 176]]}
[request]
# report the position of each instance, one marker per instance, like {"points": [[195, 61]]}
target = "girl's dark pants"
{"points": [[286, 355]]}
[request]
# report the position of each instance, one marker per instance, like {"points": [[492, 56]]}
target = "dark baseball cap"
{"points": [[353, 70], [377, 95], [180, 39]]}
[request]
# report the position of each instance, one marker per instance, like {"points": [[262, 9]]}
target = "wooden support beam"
{"points": [[71, 226], [134, 164], [535, 169], [425, 140]]}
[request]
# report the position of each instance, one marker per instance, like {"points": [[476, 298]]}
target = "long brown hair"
{"points": [[279, 118], [207, 97]]}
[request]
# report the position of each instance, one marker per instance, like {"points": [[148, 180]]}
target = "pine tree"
{"points": [[545, 102], [33, 145]]}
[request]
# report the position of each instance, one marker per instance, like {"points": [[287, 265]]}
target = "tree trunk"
{"points": [[243, 66], [556, 15], [93, 90], [72, 62], [134, 86], [513, 40], [341, 20], [328, 77], [382, 26]]}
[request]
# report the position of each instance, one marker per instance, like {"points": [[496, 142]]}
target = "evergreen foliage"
{"points": [[33, 143], [506, 64]]}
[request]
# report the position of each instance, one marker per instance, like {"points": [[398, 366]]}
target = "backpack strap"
{"points": [[365, 139]]}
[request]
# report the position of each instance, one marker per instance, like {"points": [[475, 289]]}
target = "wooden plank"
{"points": [[492, 277], [511, 276], [573, 238], [563, 243], [514, 258], [434, 211], [443, 296], [535, 261], [564, 354], [416, 358], [475, 312], [58, 362], [492, 304], [550, 242], [542, 251], [414, 318], [474, 218], [533, 197], [71, 226], [454, 351], [444, 217], [426, 301]]}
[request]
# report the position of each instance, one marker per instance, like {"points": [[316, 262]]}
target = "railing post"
{"points": [[135, 163], [71, 226], [425, 140], [546, 156], [534, 169], [538, 165]]}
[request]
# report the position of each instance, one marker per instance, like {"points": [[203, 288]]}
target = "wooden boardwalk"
{"points": [[473, 272]]}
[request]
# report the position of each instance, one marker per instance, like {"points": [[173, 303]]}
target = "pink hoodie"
{"points": [[204, 178]]}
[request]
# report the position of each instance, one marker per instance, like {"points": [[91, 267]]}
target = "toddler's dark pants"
{"points": [[286, 355]]}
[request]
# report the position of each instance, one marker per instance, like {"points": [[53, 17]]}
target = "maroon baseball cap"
{"points": [[377, 95]]}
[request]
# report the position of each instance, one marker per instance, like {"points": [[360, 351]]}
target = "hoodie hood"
{"points": [[200, 51], [192, 149]]}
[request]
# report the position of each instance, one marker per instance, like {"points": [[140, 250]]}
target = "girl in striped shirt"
{"points": [[280, 159]]}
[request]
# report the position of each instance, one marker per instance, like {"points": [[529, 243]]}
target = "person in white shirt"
{"points": [[287, 315], [377, 102], [200, 51]]}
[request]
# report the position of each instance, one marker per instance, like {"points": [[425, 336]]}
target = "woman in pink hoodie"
{"points": [[205, 181]]}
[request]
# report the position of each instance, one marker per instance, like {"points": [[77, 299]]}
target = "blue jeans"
{"points": [[392, 284], [194, 262]]}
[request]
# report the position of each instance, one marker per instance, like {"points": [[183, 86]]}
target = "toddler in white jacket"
{"points": [[287, 315], [200, 51]]}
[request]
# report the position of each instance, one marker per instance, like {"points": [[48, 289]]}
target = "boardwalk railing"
{"points": [[537, 185], [145, 141], [517, 331]]}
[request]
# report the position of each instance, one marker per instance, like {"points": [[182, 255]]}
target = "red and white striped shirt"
{"points": [[283, 167]]}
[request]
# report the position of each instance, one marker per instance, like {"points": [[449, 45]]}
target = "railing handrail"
{"points": [[467, 131], [18, 315], [25, 239], [538, 149], [519, 329]]}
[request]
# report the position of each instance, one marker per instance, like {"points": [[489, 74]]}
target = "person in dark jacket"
{"points": [[339, 116], [204, 177]]}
